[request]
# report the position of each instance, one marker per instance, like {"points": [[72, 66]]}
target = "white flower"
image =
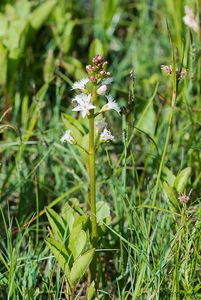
{"points": [[189, 19], [84, 104], [106, 136], [111, 104], [67, 137], [80, 85], [102, 89], [100, 125]]}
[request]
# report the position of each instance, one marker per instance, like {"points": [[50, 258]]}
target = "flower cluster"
{"points": [[96, 84], [179, 73], [189, 19]]}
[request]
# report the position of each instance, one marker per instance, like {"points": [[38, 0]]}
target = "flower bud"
{"points": [[105, 64], [102, 89], [88, 68], [102, 73], [92, 78]]}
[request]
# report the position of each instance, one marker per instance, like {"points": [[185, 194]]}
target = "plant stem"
{"points": [[72, 294], [92, 190]]}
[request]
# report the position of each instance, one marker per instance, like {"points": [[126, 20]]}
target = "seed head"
{"points": [[183, 198]]}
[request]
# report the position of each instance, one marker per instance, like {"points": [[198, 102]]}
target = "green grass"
{"points": [[151, 248]]}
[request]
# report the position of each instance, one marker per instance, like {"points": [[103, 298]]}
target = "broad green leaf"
{"points": [[41, 13], [17, 34], [22, 8], [80, 221], [57, 224], [182, 179], [69, 216], [77, 241], [74, 122], [171, 195], [102, 212], [91, 291], [3, 26], [96, 47], [77, 135], [80, 266], [169, 176], [3, 65], [84, 142], [66, 38], [61, 256]]}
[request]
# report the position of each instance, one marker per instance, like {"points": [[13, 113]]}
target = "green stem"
{"points": [[92, 191]]}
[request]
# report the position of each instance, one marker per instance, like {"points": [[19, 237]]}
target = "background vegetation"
{"points": [[44, 46]]}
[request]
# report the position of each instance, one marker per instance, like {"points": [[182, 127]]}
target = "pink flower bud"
{"points": [[92, 78], [88, 68], [102, 73], [100, 58]]}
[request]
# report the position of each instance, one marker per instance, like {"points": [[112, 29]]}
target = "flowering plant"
{"points": [[88, 90]]}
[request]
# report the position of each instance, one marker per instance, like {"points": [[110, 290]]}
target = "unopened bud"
{"points": [[88, 68], [105, 64], [92, 78], [99, 58], [102, 73]]}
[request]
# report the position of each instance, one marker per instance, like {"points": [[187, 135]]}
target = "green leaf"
{"points": [[57, 224], [77, 241], [80, 221], [66, 38], [61, 256], [3, 25], [102, 212], [169, 176], [42, 92], [17, 35], [96, 47], [48, 69], [3, 65], [69, 216], [91, 291], [69, 124], [74, 122], [182, 179], [41, 13], [80, 266], [171, 195]]}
